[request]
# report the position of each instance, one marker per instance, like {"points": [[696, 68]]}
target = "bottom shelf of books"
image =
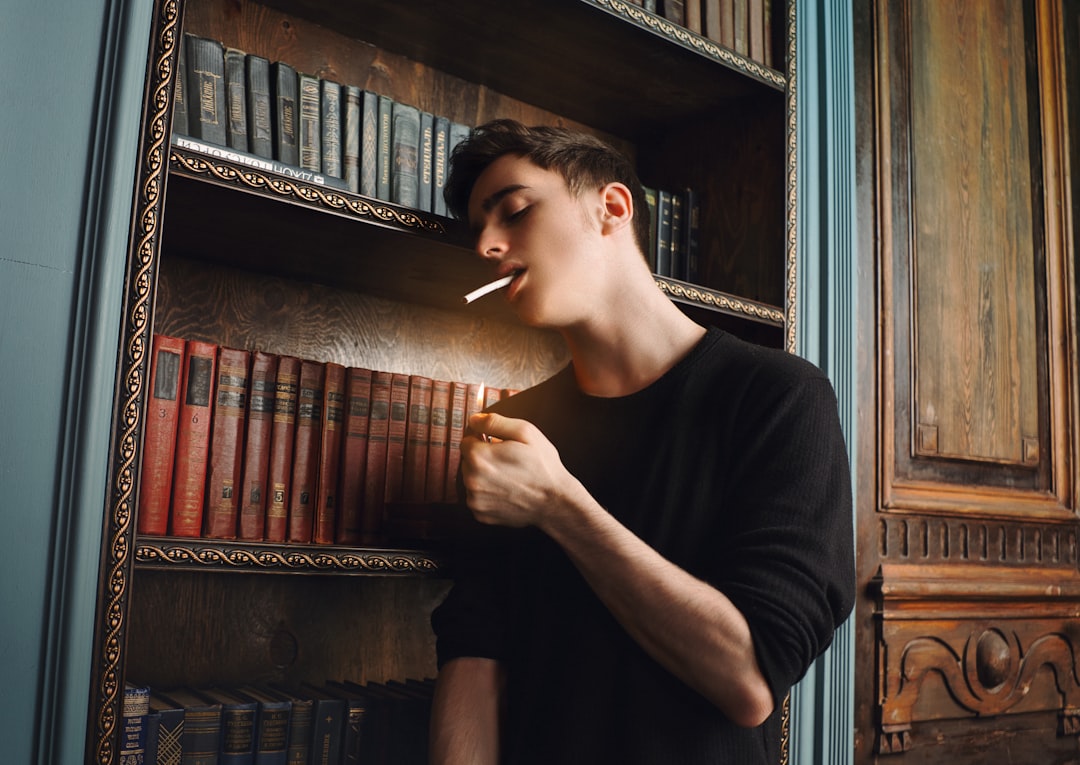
{"points": [[339, 668]]}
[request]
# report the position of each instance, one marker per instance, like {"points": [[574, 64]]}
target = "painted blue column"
{"points": [[72, 84], [822, 731]]}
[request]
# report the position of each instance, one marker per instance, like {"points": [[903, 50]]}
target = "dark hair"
{"points": [[584, 162]]}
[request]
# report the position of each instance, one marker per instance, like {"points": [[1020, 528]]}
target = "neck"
{"points": [[639, 338]]}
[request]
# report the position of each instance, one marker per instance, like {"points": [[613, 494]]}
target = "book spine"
{"points": [[136, 711], [260, 114], [305, 475], [260, 424], [426, 159], [272, 733], [236, 123], [375, 474], [227, 443], [692, 244], [354, 455], [369, 143], [193, 439], [663, 233], [755, 31], [170, 731], [350, 137], [327, 730], [675, 11], [284, 87], [455, 431], [206, 89], [300, 722], [405, 147], [438, 442], [417, 438], [741, 27], [693, 16], [333, 420], [180, 96], [309, 134], [441, 157], [395, 437], [279, 478], [159, 440], [678, 253], [652, 202], [384, 156], [331, 116]]}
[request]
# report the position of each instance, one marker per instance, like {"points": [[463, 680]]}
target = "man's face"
{"points": [[527, 222]]}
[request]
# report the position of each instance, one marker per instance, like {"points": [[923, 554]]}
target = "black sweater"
{"points": [[732, 466]]}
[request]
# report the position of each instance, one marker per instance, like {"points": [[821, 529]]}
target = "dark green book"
{"points": [[206, 89], [330, 105], [201, 741], [259, 111], [283, 89], [385, 155], [271, 725], [350, 136], [369, 143], [361, 742], [327, 724], [692, 235], [180, 97], [663, 232], [654, 219], [237, 726], [236, 124], [309, 134], [439, 164], [170, 729], [405, 142], [427, 161], [678, 253]]}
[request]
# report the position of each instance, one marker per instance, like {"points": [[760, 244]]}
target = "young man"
{"points": [[671, 539]]}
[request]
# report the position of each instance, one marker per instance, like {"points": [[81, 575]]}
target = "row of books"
{"points": [[675, 225], [333, 723], [356, 140], [264, 447], [744, 26]]}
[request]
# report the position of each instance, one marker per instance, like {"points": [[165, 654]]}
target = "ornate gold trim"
{"points": [[792, 228], [129, 405], [701, 44], [721, 301], [197, 165], [207, 555]]}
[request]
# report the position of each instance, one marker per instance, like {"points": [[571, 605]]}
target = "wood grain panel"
{"points": [[232, 307], [976, 374]]}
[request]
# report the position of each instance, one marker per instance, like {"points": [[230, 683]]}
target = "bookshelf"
{"points": [[247, 258]]}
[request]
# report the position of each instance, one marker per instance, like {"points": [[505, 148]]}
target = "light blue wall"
{"points": [[67, 150], [823, 704]]}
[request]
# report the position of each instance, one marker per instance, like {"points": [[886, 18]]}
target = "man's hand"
{"points": [[515, 477]]}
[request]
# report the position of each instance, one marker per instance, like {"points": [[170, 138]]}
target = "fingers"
{"points": [[501, 427]]}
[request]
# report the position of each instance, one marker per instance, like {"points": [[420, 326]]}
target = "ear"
{"points": [[618, 207]]}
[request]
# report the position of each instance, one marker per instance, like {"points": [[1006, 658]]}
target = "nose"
{"points": [[490, 245]]}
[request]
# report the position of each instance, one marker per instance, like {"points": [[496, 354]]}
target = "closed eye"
{"points": [[514, 217]]}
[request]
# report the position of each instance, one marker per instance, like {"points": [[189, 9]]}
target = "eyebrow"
{"points": [[489, 204]]}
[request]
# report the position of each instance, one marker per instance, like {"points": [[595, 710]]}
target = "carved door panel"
{"points": [[970, 626]]}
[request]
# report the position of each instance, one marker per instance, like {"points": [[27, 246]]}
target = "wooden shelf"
{"points": [[187, 554], [577, 59]]}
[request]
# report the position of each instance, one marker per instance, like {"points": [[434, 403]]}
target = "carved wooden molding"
{"points": [[974, 641]]}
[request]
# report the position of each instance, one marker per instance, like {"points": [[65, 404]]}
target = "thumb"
{"points": [[498, 426]]}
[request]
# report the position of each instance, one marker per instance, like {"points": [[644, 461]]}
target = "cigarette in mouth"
{"points": [[498, 284]]}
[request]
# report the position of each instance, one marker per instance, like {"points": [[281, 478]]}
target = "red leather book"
{"points": [[333, 420], [417, 435], [375, 474], [354, 449], [305, 476], [491, 396], [395, 437], [279, 475], [260, 423], [227, 444], [193, 439], [159, 436], [438, 442], [455, 430]]}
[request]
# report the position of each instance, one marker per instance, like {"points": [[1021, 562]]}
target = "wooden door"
{"points": [[969, 625]]}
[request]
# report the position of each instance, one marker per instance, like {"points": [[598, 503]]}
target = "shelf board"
{"points": [[187, 554], [649, 73], [249, 218]]}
